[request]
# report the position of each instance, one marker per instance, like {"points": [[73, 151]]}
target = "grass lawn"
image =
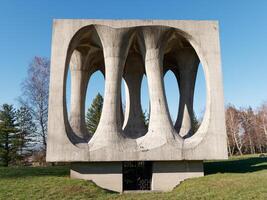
{"points": [[237, 178]]}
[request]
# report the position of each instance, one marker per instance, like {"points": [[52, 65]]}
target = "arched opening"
{"points": [[181, 58], [135, 119], [68, 92], [124, 95], [188, 63], [172, 94], [199, 103], [134, 125], [83, 58], [94, 101], [145, 101]]}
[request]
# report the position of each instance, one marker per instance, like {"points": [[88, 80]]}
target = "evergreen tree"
{"points": [[27, 131], [8, 135], [145, 117], [94, 113]]}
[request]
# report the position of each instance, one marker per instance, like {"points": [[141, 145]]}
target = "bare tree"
{"points": [[234, 131], [246, 129], [248, 121], [261, 128], [263, 118], [35, 89]]}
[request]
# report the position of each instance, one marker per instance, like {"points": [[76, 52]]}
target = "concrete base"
{"points": [[165, 174], [168, 174], [107, 175]]}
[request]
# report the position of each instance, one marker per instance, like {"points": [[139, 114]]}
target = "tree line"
{"points": [[23, 131], [246, 130]]}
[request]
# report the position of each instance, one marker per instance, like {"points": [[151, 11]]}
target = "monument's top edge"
{"points": [[135, 22]]}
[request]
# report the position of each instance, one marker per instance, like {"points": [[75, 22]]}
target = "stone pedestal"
{"points": [[168, 174], [165, 174], [107, 175]]}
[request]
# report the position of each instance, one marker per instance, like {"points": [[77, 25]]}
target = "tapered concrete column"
{"points": [[110, 39], [187, 61], [134, 125], [109, 130], [160, 130], [79, 80]]}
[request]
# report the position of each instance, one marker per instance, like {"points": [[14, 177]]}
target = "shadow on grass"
{"points": [[18, 172], [235, 166], [243, 165]]}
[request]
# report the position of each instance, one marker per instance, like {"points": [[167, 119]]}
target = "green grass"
{"points": [[237, 178]]}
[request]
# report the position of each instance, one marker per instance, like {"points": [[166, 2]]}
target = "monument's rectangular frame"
{"points": [[208, 143], [65, 143]]}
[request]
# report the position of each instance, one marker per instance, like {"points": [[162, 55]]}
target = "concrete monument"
{"points": [[130, 49]]}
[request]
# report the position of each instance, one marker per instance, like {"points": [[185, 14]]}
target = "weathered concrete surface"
{"points": [[165, 174], [109, 41], [131, 49], [109, 46], [187, 62], [79, 76], [168, 174], [134, 126]]}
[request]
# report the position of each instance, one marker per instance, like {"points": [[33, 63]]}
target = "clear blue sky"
{"points": [[25, 31]]}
